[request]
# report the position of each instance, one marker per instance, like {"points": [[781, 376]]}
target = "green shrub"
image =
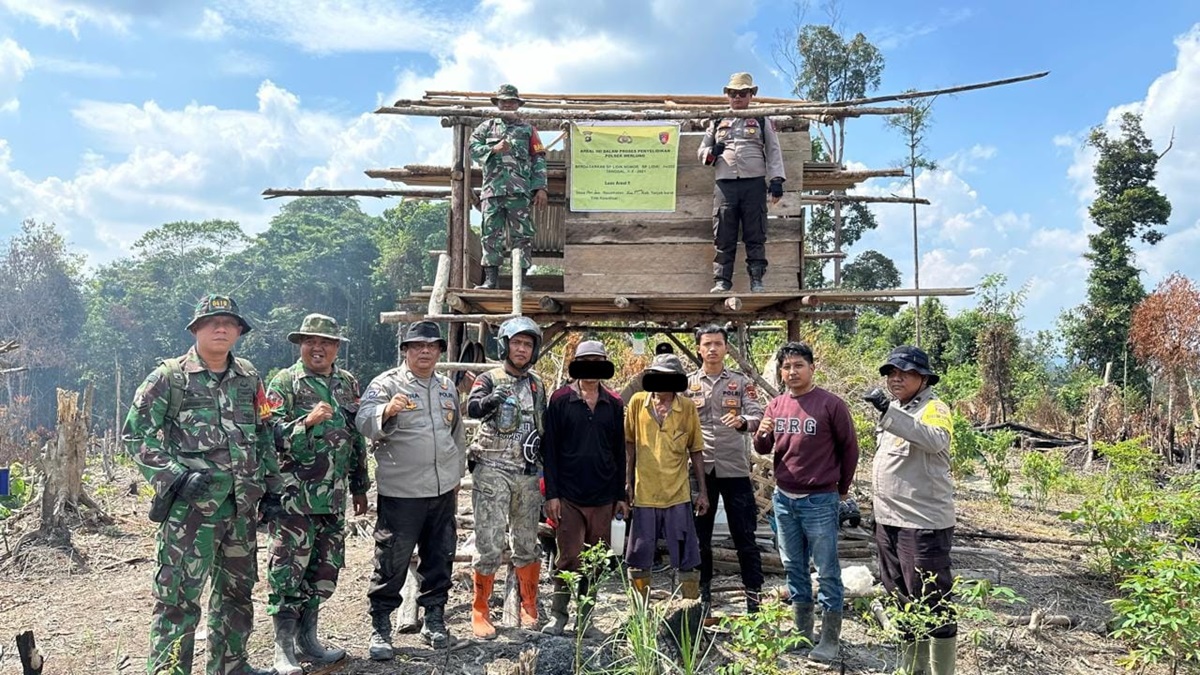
{"points": [[1043, 473], [964, 447], [759, 640], [1159, 615], [993, 451]]}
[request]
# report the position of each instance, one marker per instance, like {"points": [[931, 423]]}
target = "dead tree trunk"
{"points": [[31, 659], [1099, 400]]}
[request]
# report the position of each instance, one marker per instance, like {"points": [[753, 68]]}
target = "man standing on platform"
{"points": [[729, 409], [513, 160], [411, 413], [321, 458], [749, 163], [198, 432]]}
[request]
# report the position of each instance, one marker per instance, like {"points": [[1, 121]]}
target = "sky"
{"points": [[117, 116]]}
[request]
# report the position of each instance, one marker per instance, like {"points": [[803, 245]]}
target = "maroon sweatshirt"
{"points": [[814, 443]]}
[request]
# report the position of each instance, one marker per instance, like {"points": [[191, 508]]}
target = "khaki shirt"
{"points": [[911, 469], [725, 449], [751, 149], [420, 451]]}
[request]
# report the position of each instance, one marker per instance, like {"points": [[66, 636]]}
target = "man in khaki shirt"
{"points": [[727, 403]]}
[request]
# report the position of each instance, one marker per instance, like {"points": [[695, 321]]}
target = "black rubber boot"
{"points": [[381, 637], [756, 272], [560, 606], [753, 600], [491, 279], [308, 645], [434, 631], [285, 639]]}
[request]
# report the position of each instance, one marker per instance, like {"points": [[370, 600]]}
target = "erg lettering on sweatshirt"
{"points": [[793, 425]]}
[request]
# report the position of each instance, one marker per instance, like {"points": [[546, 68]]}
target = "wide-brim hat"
{"points": [[423, 331], [667, 363], [507, 92], [218, 305], [907, 357], [317, 325], [741, 82]]}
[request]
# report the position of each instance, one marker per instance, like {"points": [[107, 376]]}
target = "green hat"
{"points": [[507, 92], [217, 305], [317, 325]]}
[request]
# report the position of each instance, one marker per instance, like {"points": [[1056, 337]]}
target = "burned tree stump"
{"points": [[31, 660]]}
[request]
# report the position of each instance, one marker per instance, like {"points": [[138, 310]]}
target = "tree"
{"points": [[1127, 207], [871, 271], [913, 126], [42, 309], [998, 344], [826, 66], [1165, 336]]}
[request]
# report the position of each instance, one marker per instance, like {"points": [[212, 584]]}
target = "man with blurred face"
{"points": [[811, 434], [510, 401], [198, 431], [322, 456], [727, 402], [412, 415], [584, 452], [748, 163]]}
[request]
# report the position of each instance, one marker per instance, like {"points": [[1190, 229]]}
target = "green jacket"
{"points": [[222, 426], [319, 463]]}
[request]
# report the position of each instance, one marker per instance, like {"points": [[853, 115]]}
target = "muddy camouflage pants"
{"points": [[191, 547], [507, 225], [508, 506], [307, 552]]}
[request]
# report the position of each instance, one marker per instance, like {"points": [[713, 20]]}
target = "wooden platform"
{"points": [[691, 308]]}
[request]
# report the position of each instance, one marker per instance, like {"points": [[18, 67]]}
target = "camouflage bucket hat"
{"points": [[218, 305], [741, 82], [507, 92], [317, 325]]}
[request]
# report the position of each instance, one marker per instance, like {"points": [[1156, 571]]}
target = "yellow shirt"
{"points": [[660, 467]]}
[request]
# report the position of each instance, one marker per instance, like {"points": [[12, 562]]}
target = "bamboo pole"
{"points": [[440, 280], [455, 116], [859, 199], [616, 315], [518, 273], [413, 192]]}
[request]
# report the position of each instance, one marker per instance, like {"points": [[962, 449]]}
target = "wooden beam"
{"points": [[730, 304], [549, 304], [410, 192], [859, 199], [549, 117], [687, 351]]}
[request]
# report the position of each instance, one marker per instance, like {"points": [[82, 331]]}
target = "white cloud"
{"points": [[212, 26], [69, 15], [342, 25], [77, 68], [892, 37], [243, 64], [14, 63]]}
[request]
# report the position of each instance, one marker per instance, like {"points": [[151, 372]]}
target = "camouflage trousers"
{"points": [[307, 552], [508, 506], [507, 225], [191, 547]]}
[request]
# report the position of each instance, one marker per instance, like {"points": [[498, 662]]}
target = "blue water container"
{"points": [[4, 481]]}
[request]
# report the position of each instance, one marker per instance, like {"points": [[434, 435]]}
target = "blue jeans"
{"points": [[808, 529]]}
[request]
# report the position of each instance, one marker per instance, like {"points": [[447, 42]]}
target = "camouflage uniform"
{"points": [[509, 181], [221, 428], [506, 496], [317, 465]]}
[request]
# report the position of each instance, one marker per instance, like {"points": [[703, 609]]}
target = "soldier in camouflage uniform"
{"points": [[321, 453], [198, 431], [514, 178], [511, 401]]}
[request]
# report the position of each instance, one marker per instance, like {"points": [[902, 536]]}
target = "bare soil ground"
{"points": [[94, 618]]}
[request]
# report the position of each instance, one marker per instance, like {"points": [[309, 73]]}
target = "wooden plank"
{"points": [[660, 258], [696, 206], [699, 230], [777, 280]]}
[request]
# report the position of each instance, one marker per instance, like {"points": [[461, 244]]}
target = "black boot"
{"points": [[381, 637], [756, 272], [434, 631], [706, 597], [285, 637], [560, 604], [753, 600], [491, 279], [309, 645]]}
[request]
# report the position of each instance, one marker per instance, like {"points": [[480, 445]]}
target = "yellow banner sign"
{"points": [[623, 168]]}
